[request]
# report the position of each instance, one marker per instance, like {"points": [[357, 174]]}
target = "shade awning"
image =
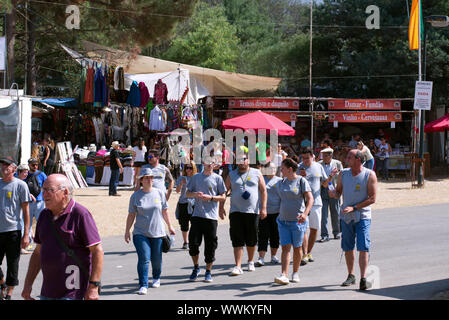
{"points": [[259, 121], [216, 82], [59, 102], [438, 125]]}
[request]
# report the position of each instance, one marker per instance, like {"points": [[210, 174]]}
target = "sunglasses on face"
{"points": [[150, 156], [191, 168]]}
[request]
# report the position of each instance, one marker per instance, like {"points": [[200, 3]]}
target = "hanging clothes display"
{"points": [[99, 88], [144, 95], [158, 119], [134, 95], [160, 93], [89, 87], [83, 79]]}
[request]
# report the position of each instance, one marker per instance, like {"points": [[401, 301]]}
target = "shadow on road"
{"points": [[417, 291]]}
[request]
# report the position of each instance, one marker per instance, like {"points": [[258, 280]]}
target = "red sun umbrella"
{"points": [[259, 121], [438, 125]]}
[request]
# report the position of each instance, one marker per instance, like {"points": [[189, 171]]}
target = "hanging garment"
{"points": [[89, 87], [156, 120], [160, 93], [119, 79], [134, 95], [100, 87], [144, 95], [83, 79]]}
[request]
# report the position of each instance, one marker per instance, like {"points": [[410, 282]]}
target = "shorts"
{"points": [[184, 216], [292, 232], [138, 164], [351, 231], [315, 217], [243, 229]]}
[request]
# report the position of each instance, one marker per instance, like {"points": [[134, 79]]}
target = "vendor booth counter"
{"points": [[126, 179]]}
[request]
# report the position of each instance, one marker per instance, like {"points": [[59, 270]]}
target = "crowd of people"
{"points": [[284, 203]]}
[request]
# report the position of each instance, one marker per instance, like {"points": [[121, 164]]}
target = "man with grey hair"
{"points": [[330, 165], [14, 199], [357, 185], [68, 247]]}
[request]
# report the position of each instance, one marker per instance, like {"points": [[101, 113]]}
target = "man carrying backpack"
{"points": [[35, 181]]}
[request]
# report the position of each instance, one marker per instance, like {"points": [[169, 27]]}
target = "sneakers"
{"points": [[185, 246], [364, 284], [260, 262], [295, 277], [251, 266], [143, 291], [324, 239], [349, 281], [194, 275], [274, 260], [282, 279], [310, 258], [304, 260], [156, 283], [208, 276], [236, 271]]}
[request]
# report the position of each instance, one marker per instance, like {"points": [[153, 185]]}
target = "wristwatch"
{"points": [[95, 283]]}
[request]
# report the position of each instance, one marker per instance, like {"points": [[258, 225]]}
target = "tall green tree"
{"points": [[206, 40]]}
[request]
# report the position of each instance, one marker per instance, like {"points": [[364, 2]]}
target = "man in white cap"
{"points": [[329, 164]]}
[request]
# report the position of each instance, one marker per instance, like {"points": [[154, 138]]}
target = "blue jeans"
{"points": [[292, 232], [113, 182], [355, 231], [369, 164], [334, 205], [35, 210], [148, 249]]}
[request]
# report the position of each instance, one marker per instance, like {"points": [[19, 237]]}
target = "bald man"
{"points": [[65, 278], [358, 186]]}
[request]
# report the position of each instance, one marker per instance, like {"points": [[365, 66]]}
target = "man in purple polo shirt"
{"points": [[62, 277]]}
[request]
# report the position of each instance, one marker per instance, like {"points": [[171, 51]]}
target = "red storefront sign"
{"points": [[364, 104], [283, 116], [263, 104], [365, 116]]}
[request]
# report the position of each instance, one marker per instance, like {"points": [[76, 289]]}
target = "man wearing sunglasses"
{"points": [[14, 199], [248, 203], [207, 188], [161, 173]]}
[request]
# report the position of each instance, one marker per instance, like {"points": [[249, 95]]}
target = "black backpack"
{"points": [[33, 185]]}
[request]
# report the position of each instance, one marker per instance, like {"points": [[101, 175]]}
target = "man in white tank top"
{"points": [[358, 186]]}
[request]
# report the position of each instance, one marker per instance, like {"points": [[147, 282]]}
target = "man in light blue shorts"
{"points": [[358, 186], [293, 218]]}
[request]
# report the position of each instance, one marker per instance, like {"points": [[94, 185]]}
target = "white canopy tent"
{"points": [[216, 82], [177, 81]]}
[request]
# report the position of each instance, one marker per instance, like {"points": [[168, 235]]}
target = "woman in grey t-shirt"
{"points": [[293, 220], [148, 207]]}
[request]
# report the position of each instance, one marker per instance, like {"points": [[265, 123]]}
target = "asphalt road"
{"points": [[409, 260]]}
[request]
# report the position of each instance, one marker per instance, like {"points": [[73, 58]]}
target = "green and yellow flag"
{"points": [[415, 27]]}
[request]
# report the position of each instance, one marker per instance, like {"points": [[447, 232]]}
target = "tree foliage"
{"points": [[206, 40]]}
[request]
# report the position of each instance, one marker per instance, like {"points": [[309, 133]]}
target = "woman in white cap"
{"points": [[148, 209]]}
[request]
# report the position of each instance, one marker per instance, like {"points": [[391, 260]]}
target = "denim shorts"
{"points": [[292, 232], [351, 231]]}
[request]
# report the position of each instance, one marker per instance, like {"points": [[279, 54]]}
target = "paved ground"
{"points": [[409, 248]]}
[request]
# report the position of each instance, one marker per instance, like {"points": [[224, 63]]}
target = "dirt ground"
{"points": [[110, 212]]}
